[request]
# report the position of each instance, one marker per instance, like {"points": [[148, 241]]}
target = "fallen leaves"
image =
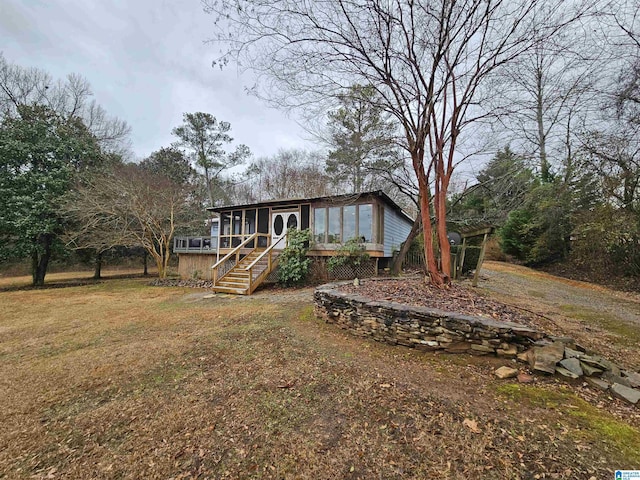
{"points": [[471, 425], [456, 298]]}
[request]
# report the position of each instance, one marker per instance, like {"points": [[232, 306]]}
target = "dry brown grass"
{"points": [[123, 380], [17, 281]]}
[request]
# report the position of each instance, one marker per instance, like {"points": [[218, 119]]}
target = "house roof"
{"points": [[338, 199]]}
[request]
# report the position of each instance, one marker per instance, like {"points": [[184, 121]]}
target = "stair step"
{"points": [[237, 291], [239, 274], [234, 281], [237, 279]]}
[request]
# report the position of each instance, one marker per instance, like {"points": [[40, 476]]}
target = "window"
{"points": [[320, 224], [278, 225], [365, 223], [237, 222], [340, 224], [334, 225], [349, 222], [226, 224], [292, 221], [250, 222]]}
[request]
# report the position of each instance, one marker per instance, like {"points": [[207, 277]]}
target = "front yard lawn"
{"points": [[123, 380]]}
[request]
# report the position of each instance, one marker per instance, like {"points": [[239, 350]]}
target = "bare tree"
{"points": [[426, 60], [289, 173], [552, 92], [129, 206], [69, 98]]}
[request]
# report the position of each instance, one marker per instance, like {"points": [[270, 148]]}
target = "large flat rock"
{"points": [[627, 394], [544, 359], [573, 365]]}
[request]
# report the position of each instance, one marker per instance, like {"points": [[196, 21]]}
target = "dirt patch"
{"points": [[578, 272]]}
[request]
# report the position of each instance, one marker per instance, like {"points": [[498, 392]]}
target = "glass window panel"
{"points": [[319, 224], [349, 222], [215, 226], [365, 226], [278, 224], [250, 222], [292, 221], [237, 222], [226, 223], [334, 225]]}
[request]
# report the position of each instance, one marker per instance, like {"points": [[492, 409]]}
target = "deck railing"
{"points": [[195, 245]]}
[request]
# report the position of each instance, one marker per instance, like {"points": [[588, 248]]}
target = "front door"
{"points": [[280, 223]]}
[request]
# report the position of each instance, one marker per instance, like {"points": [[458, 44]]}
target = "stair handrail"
{"points": [[267, 252], [259, 257], [235, 251]]}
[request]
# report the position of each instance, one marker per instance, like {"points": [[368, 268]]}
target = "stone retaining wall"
{"points": [[420, 327]]}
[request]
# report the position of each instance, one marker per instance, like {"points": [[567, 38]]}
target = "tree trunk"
{"points": [[40, 259], [545, 171], [145, 263], [97, 266], [443, 239], [396, 266], [162, 273]]}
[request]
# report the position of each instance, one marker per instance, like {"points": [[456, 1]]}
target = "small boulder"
{"points": [[525, 378], [545, 358], [588, 370], [571, 353], [633, 378], [573, 365], [510, 352], [627, 394], [524, 356], [594, 361], [613, 378], [506, 372]]}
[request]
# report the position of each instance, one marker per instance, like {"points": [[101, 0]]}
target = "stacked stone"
{"points": [[431, 329], [572, 361], [420, 327]]}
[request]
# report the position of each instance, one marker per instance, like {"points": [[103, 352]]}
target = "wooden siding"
{"points": [[396, 230], [193, 265]]}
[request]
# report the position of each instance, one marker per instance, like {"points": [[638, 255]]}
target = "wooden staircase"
{"points": [[242, 280]]}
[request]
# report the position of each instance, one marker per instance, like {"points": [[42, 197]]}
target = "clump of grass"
{"points": [[629, 334], [589, 421]]}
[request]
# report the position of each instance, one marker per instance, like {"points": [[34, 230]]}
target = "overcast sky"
{"points": [[147, 62]]}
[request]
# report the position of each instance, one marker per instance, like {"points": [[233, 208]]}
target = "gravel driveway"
{"points": [[606, 320]]}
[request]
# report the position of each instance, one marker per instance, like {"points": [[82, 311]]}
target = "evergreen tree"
{"points": [[40, 154], [361, 139]]}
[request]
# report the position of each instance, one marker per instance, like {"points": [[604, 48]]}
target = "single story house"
{"points": [[246, 240]]}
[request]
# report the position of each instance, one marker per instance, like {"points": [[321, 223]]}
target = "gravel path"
{"points": [[604, 320], [547, 291]]}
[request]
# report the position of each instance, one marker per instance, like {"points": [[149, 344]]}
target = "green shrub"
{"points": [[294, 263], [352, 254], [607, 241]]}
